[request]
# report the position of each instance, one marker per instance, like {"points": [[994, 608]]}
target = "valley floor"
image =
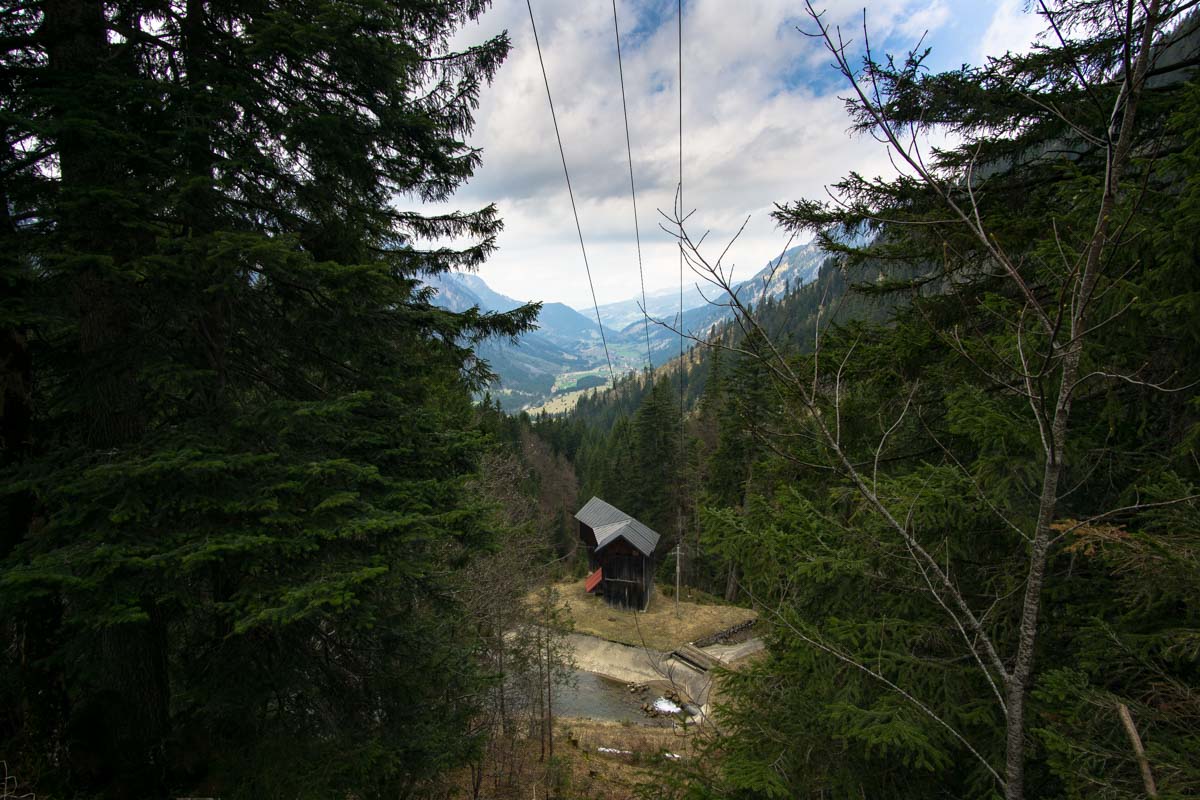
{"points": [[607, 759]]}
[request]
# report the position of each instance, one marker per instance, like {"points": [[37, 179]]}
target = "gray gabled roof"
{"points": [[609, 523]]}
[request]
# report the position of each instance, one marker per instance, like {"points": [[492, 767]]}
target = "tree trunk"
{"points": [[541, 698], [131, 661], [1119, 154], [16, 385], [1021, 676], [134, 656], [33, 634], [549, 699], [731, 584]]}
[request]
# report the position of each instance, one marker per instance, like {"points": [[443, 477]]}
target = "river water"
{"points": [[597, 697]]}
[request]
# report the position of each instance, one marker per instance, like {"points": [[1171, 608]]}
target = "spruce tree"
{"points": [[235, 485], [956, 560]]}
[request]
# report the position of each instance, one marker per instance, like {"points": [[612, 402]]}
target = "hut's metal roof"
{"points": [[597, 513], [610, 523]]}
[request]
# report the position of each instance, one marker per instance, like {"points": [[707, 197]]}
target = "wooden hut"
{"points": [[620, 553]]}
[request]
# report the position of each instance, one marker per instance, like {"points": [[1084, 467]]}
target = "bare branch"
{"points": [[846, 659], [1129, 509]]}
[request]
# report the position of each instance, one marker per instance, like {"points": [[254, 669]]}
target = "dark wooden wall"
{"points": [[628, 575], [588, 537]]}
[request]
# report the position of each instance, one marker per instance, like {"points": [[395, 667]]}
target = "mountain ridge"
{"points": [[566, 347]]}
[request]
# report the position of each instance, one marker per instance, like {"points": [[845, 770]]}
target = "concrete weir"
{"points": [[641, 665]]}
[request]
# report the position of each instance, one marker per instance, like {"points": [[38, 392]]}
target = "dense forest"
{"points": [[265, 533]]}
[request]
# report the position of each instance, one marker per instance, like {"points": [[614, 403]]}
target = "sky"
{"points": [[762, 124]]}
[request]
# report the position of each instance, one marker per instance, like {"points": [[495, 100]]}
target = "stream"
{"points": [[597, 697]]}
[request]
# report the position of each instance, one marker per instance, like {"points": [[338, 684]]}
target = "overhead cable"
{"points": [[682, 407], [632, 189], [571, 194], [682, 373]]}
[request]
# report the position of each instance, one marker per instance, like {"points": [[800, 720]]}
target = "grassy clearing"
{"points": [[560, 404], [657, 628], [567, 380]]}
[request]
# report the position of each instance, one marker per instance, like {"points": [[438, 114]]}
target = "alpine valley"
{"points": [[566, 354]]}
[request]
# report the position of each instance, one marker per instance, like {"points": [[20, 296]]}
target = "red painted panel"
{"points": [[594, 580]]}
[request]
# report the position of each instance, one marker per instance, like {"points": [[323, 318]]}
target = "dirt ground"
{"points": [[657, 628], [600, 773], [594, 760]]}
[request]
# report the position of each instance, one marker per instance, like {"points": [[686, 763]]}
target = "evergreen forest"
{"points": [[266, 531]]}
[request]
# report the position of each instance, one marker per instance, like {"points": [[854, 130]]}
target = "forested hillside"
{"points": [[627, 440]]}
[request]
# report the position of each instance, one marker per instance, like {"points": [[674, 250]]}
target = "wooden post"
{"points": [[549, 698], [541, 694], [1138, 750], [678, 553]]}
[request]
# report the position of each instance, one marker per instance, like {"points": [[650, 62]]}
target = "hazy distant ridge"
{"points": [[567, 346]]}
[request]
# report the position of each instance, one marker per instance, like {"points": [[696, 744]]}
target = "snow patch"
{"points": [[665, 706], [614, 750]]}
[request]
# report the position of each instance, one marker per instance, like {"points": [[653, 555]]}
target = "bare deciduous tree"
{"points": [[521, 639]]}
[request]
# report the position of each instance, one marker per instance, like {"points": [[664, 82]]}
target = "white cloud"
{"points": [[930, 18], [762, 124], [1013, 29]]}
